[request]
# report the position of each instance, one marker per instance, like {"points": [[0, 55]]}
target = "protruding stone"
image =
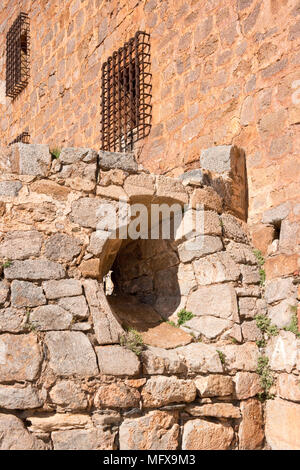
{"points": [[208, 198], [20, 357], [63, 288], [215, 410], [161, 390], [30, 159], [247, 385], [50, 317], [71, 353], [62, 247], [77, 306], [14, 435], [234, 229], [162, 361], [218, 159], [215, 268], [241, 357], [204, 435], [156, 430], [122, 161], [26, 294], [201, 358], [116, 360], [70, 155], [34, 270]]}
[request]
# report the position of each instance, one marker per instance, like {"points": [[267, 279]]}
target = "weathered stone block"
{"points": [[162, 361], [214, 386], [208, 198], [198, 247], [193, 178], [20, 357], [247, 385], [282, 351], [30, 159], [250, 274], [84, 439], [116, 395], [241, 253], [14, 435], [215, 410], [281, 314], [12, 320], [140, 185], [241, 357], [234, 228], [279, 289], [86, 212], [77, 306], [199, 434], [54, 421], [4, 291], [251, 432], [71, 353], [169, 188], [276, 214], [19, 398], [215, 268], [64, 288], [283, 425], [161, 390], [206, 325], [200, 358], [21, 245], [250, 331], [10, 188], [50, 317], [90, 268], [68, 395], [156, 430], [34, 270], [281, 265], [122, 161], [116, 360], [62, 247], [26, 294], [203, 301], [71, 155]]}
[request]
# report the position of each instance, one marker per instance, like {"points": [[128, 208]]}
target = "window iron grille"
{"points": [[24, 138], [126, 95], [17, 56]]}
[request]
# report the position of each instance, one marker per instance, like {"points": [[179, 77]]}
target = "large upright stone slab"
{"points": [[20, 357], [14, 435], [217, 300], [30, 159], [283, 424]]}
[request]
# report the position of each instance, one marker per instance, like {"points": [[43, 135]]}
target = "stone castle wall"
{"points": [[69, 377], [223, 73]]}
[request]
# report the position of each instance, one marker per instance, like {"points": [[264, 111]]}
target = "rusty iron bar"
{"points": [[126, 95], [17, 56]]}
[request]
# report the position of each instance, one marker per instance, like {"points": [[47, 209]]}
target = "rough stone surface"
{"points": [[34, 270], [201, 358], [12, 320], [116, 360], [279, 289], [214, 386], [4, 291], [162, 361], [204, 435], [77, 306], [20, 357], [21, 245], [247, 385], [14, 436], [62, 247], [282, 351], [50, 317], [241, 357], [209, 326], [10, 188], [233, 228], [19, 398], [116, 395], [251, 433], [250, 331], [208, 198], [203, 301], [68, 395], [71, 155], [215, 268], [281, 314], [30, 159], [165, 336], [161, 390], [289, 387], [84, 439], [122, 161], [282, 425], [198, 247], [215, 410], [64, 288], [217, 159], [71, 353], [26, 294], [156, 430]]}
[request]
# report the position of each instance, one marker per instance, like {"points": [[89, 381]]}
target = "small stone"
{"points": [[250, 331], [97, 241], [156, 430], [21, 245], [50, 317], [71, 155], [20, 357], [71, 353], [234, 228], [203, 302], [77, 306], [193, 178], [12, 320], [63, 288], [122, 161], [30, 159], [200, 358], [4, 291], [90, 268], [281, 314], [19, 398], [289, 387], [215, 410], [199, 434], [250, 274], [10, 188], [68, 395], [282, 424], [241, 357], [116, 395], [26, 294], [161, 390], [208, 198], [214, 386], [62, 247], [247, 385], [14, 435], [249, 307], [251, 431], [162, 361], [282, 351], [84, 439], [209, 326], [34, 270], [116, 360], [198, 247]]}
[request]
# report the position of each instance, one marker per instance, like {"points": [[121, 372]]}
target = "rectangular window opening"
{"points": [[17, 56], [126, 95]]}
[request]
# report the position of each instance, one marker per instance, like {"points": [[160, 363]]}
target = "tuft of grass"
{"points": [[221, 356], [132, 340], [293, 326], [172, 323], [266, 377], [184, 316], [262, 275], [259, 257], [264, 324], [55, 152], [6, 264]]}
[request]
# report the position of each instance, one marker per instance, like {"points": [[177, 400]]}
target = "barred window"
{"points": [[17, 56], [126, 95]]}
